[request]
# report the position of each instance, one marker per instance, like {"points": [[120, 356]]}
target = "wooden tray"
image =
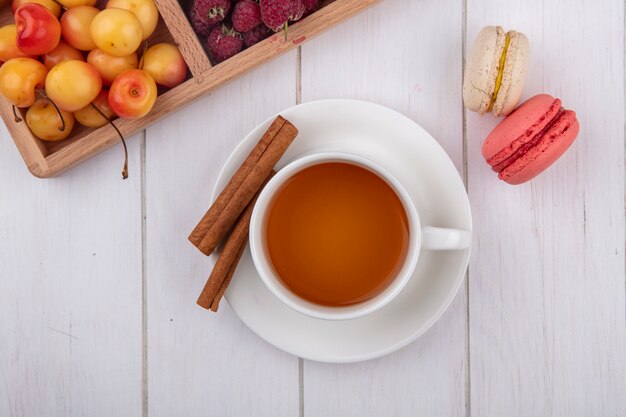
{"points": [[46, 159]]}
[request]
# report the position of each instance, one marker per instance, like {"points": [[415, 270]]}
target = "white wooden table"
{"points": [[98, 282]]}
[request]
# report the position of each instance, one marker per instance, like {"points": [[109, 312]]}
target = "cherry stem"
{"points": [[125, 168], [43, 94], [17, 118]]}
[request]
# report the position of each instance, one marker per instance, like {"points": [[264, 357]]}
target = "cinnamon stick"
{"points": [[233, 267], [231, 202], [208, 219], [229, 257], [235, 241]]}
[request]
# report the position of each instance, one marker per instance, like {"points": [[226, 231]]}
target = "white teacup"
{"points": [[420, 238]]}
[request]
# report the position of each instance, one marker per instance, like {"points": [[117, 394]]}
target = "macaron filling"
{"points": [[494, 96], [495, 156], [524, 148]]}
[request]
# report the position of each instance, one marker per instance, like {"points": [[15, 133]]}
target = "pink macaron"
{"points": [[530, 139]]}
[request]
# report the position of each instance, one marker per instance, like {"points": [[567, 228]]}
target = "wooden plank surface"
{"points": [[70, 279], [98, 282], [200, 363], [387, 55], [547, 330]]}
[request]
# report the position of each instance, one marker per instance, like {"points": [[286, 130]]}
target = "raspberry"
{"points": [[246, 15], [224, 42], [296, 10], [205, 14], [256, 35], [275, 13], [310, 6]]}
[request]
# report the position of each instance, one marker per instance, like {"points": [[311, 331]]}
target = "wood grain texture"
{"points": [[70, 279], [203, 363], [548, 333], [388, 55], [547, 327]]}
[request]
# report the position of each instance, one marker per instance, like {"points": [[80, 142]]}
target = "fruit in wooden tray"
{"points": [[205, 14], [275, 13], [91, 117], [252, 21], [51, 5], [8, 44], [116, 31], [297, 10], [73, 87], [246, 15], [68, 4], [110, 66], [165, 64], [145, 11], [310, 6], [256, 35], [72, 84], [19, 78], [47, 122], [63, 52], [38, 30], [224, 42], [75, 27], [132, 94]]}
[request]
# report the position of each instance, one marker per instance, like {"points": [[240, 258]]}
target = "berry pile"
{"points": [[230, 26]]}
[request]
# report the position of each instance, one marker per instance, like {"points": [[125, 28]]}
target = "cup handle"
{"points": [[440, 238]]}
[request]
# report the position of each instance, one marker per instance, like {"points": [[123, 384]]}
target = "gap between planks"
{"points": [[468, 379], [300, 360], [144, 282], [624, 75]]}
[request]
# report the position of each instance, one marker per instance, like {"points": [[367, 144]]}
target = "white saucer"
{"points": [[410, 154]]}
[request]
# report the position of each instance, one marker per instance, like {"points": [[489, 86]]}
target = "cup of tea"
{"points": [[335, 236]]}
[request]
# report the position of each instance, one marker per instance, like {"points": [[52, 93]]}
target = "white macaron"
{"points": [[496, 71]]}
